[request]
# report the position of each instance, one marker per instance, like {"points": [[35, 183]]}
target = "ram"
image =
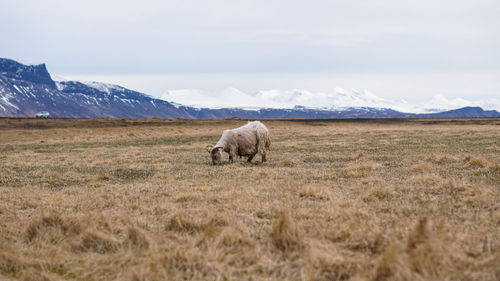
{"points": [[246, 141]]}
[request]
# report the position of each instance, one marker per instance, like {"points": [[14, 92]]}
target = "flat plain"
{"points": [[116, 199]]}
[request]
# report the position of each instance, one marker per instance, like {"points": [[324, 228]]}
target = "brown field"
{"points": [[138, 200]]}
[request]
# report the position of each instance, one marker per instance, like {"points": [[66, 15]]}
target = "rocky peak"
{"points": [[31, 73]]}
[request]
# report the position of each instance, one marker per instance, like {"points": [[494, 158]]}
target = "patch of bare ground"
{"points": [[125, 199]]}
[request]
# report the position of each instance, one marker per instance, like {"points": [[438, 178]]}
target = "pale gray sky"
{"points": [[422, 41]]}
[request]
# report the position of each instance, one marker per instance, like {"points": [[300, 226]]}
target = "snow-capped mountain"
{"points": [[337, 99], [107, 100], [234, 98], [28, 89]]}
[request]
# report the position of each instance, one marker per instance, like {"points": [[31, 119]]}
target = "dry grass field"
{"points": [[139, 200]]}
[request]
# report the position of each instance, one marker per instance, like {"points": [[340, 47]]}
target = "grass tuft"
{"points": [[180, 222], [377, 193], [421, 167], [312, 191], [285, 235], [52, 227], [136, 239], [361, 168], [10, 263], [96, 241], [104, 177]]}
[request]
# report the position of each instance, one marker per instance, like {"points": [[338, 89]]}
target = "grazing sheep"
{"points": [[247, 141]]}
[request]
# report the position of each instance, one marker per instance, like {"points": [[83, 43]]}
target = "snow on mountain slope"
{"points": [[103, 87], [337, 99], [227, 98], [27, 89], [234, 98], [440, 103]]}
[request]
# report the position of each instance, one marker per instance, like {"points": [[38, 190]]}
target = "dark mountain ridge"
{"points": [[30, 73], [28, 89], [464, 112]]}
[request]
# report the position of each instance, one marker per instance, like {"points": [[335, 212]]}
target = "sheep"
{"points": [[248, 140]]}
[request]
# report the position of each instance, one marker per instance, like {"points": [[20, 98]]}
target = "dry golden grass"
{"points": [[139, 200]]}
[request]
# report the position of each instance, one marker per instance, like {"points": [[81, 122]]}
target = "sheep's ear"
{"points": [[209, 148]]}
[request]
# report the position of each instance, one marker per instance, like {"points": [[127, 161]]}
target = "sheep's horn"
{"points": [[216, 147]]}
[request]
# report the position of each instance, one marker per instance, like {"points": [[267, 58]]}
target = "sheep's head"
{"points": [[216, 154]]}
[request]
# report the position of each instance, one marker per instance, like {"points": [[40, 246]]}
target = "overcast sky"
{"points": [[394, 48]]}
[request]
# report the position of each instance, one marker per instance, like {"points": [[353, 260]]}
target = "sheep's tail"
{"points": [[263, 140]]}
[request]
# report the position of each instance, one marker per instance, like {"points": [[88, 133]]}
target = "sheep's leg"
{"points": [[250, 158], [232, 156], [264, 157]]}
